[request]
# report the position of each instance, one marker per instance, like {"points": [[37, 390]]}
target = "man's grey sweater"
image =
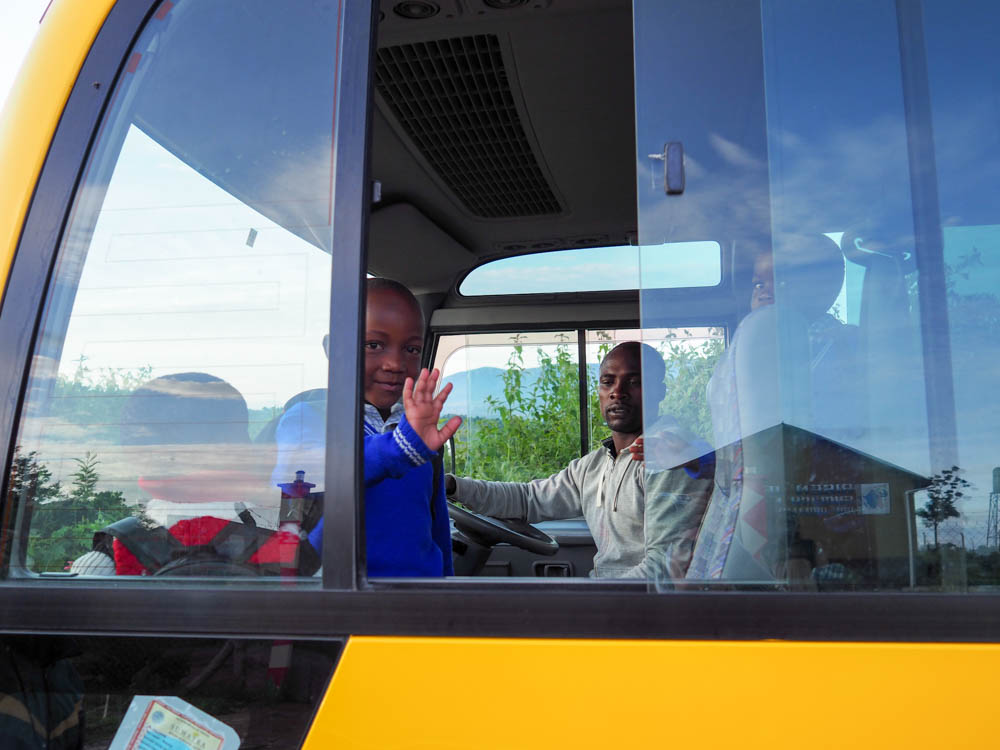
{"points": [[638, 534]]}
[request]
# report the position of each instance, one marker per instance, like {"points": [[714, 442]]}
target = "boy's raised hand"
{"points": [[423, 409]]}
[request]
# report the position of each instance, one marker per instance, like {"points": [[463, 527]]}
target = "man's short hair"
{"points": [[654, 369], [653, 363]]}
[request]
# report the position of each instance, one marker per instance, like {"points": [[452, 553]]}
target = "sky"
{"points": [[18, 24], [669, 265], [172, 280]]}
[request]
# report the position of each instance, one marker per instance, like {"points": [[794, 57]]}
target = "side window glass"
{"points": [[961, 532], [852, 411], [520, 398], [178, 381]]}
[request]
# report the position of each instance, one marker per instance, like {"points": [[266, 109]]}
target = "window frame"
{"points": [[348, 603]]}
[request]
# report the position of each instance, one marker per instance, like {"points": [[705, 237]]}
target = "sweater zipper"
{"points": [[604, 478], [614, 507]]}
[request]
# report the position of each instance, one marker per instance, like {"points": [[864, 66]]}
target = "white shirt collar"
{"points": [[375, 425]]}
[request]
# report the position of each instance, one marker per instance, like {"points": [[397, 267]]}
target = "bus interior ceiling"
{"points": [[500, 132]]}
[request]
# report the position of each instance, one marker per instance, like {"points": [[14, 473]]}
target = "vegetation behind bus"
{"points": [[536, 428]]}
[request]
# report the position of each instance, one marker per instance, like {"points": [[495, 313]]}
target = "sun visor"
{"points": [[282, 167], [405, 245]]}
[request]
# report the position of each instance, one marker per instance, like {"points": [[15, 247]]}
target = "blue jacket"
{"points": [[406, 520]]}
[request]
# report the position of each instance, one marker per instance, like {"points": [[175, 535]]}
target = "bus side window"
{"points": [[190, 298]]}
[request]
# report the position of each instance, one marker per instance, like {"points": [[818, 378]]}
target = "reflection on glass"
{"points": [[75, 692], [189, 304], [834, 466]]}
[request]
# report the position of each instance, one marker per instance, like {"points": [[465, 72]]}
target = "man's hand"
{"points": [[423, 409]]}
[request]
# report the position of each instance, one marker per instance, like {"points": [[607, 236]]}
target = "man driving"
{"points": [[644, 524]]}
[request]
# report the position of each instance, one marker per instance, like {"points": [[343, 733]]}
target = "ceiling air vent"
{"points": [[452, 99]]}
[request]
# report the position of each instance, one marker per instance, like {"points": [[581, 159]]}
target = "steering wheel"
{"points": [[489, 531]]}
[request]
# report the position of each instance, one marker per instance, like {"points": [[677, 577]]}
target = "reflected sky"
{"points": [[598, 269], [170, 280], [798, 127]]}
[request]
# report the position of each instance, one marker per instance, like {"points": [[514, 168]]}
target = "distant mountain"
{"points": [[480, 383], [473, 387]]}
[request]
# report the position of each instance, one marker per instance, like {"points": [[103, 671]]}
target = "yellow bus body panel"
{"points": [[504, 693], [34, 106]]}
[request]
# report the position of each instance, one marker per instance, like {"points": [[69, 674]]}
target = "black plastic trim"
{"points": [[344, 535], [581, 358], [566, 325], [508, 328], [507, 611]]}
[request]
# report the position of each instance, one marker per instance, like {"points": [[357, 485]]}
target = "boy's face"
{"points": [[394, 338]]}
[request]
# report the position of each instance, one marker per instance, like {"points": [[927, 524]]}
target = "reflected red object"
{"points": [[280, 548]]}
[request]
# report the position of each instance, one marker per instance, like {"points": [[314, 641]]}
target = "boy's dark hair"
{"points": [[392, 285]]}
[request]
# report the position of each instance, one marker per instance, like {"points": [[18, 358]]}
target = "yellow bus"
{"points": [[786, 201]]}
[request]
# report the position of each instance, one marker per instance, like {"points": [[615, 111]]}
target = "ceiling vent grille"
{"points": [[452, 99]]}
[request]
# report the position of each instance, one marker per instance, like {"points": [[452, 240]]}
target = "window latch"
{"points": [[673, 167]]}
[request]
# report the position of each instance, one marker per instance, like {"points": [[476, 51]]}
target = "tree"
{"points": [[27, 475], [85, 478], [62, 526], [689, 369], [93, 400], [536, 427], [944, 491], [533, 428]]}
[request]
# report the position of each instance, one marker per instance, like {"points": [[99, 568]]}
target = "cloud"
{"points": [[733, 153]]}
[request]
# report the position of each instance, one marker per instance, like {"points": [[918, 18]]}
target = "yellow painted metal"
{"points": [[34, 107], [499, 693]]}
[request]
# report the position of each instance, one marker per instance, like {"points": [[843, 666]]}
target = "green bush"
{"points": [[63, 524], [534, 429]]}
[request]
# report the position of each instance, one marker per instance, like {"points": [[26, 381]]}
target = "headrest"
{"points": [[183, 409], [808, 273]]}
